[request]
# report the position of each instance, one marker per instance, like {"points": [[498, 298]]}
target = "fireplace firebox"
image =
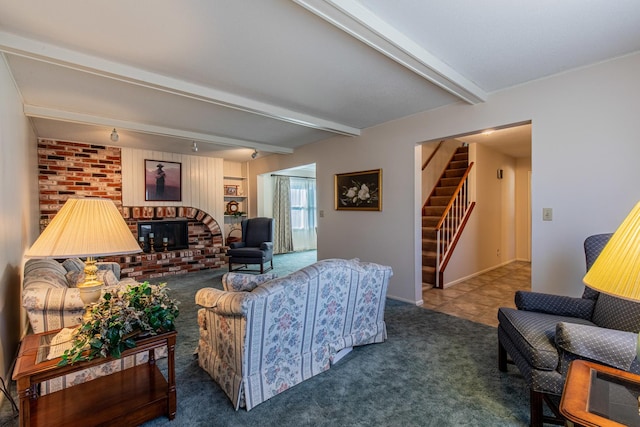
{"points": [[176, 234]]}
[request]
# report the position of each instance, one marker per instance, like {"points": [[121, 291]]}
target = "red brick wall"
{"points": [[68, 169], [76, 169]]}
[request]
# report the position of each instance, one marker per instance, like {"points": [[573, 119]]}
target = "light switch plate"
{"points": [[547, 214]]}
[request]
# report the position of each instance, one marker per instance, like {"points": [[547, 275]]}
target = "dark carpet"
{"points": [[434, 370]]}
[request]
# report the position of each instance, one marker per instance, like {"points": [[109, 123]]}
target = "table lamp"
{"points": [[86, 227], [616, 271]]}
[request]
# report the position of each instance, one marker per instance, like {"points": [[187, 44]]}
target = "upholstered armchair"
{"points": [[256, 246], [546, 332]]}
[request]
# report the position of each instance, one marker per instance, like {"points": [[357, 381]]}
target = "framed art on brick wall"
{"points": [[359, 191], [162, 181]]}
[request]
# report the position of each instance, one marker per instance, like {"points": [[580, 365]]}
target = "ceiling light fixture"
{"points": [[195, 147], [488, 132], [254, 154], [114, 135]]}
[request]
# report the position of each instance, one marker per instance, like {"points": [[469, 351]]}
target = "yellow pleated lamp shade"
{"points": [[85, 227], [616, 271]]}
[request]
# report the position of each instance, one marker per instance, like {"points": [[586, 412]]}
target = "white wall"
{"points": [[440, 160], [523, 210], [202, 181], [18, 212], [585, 147]]}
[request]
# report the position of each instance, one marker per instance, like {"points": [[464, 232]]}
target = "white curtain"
{"points": [[303, 213]]}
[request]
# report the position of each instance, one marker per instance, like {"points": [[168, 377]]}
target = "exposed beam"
{"points": [[73, 117], [32, 49], [358, 21]]}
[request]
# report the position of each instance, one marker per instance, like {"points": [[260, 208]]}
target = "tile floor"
{"points": [[479, 298]]}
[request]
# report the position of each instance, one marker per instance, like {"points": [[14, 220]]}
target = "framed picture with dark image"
{"points": [[163, 181], [359, 191]]}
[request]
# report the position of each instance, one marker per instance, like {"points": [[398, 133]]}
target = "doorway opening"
{"points": [[494, 249], [498, 233], [289, 196]]}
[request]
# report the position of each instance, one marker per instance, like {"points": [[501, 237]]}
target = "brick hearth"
{"points": [[205, 244]]}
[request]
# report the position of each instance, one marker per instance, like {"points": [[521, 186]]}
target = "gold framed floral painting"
{"points": [[359, 191]]}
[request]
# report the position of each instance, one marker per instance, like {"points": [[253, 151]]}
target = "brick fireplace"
{"points": [[205, 244], [68, 169]]}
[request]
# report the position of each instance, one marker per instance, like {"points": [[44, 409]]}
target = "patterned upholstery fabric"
{"points": [[92, 373], [52, 304], [75, 278], [245, 282], [256, 246], [547, 332], [593, 245], [49, 301], [533, 335], [616, 313], [617, 348], [554, 304], [260, 343], [73, 264], [537, 379]]}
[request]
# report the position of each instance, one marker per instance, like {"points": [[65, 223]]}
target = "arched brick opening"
{"points": [[205, 244]]}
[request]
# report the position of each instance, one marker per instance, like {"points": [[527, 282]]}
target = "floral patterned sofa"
{"points": [[52, 302], [263, 335], [50, 295]]}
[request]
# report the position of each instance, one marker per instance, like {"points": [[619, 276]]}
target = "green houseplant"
{"points": [[111, 325]]}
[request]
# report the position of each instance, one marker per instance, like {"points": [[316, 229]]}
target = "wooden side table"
{"points": [[597, 395], [128, 397]]}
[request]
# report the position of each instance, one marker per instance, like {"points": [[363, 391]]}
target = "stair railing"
{"points": [[451, 224], [433, 153]]}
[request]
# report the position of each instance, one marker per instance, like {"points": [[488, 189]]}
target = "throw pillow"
{"points": [[73, 264], [240, 282], [74, 278]]}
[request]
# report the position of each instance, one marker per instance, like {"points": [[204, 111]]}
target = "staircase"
{"points": [[434, 208]]}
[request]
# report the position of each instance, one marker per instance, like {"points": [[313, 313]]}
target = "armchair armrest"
{"points": [[609, 346], [245, 282], [223, 302], [49, 298], [554, 304], [265, 246], [236, 245]]}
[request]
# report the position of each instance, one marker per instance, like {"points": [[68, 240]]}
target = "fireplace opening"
{"points": [[174, 233]]}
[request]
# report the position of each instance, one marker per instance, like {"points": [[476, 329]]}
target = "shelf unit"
{"points": [[239, 184], [235, 175]]}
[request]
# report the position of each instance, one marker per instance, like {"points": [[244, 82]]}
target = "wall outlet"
{"points": [[498, 253], [547, 214], [321, 213]]}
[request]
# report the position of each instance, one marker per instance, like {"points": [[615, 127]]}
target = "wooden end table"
{"points": [[128, 397], [597, 395]]}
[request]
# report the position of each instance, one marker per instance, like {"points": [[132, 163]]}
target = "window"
{"points": [[303, 213]]}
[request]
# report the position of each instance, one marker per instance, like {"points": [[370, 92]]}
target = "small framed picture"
{"points": [[230, 190]]}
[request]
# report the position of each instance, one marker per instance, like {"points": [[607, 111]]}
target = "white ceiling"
{"points": [[273, 75]]}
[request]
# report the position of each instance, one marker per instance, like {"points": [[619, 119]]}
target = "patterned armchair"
{"points": [[258, 343], [547, 332]]}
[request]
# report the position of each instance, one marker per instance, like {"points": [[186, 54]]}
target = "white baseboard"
{"points": [[478, 273], [419, 302]]}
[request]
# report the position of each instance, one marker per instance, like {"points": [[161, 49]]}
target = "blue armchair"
{"points": [[256, 246], [546, 332]]}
